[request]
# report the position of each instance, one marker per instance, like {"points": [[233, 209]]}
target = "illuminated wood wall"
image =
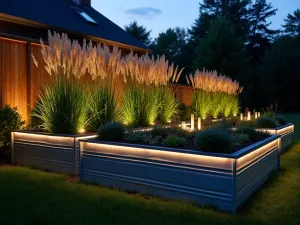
{"points": [[20, 79], [13, 75]]}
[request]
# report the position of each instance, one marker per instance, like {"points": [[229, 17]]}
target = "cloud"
{"points": [[145, 12]]}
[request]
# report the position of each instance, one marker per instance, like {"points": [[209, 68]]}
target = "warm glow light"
{"points": [[192, 122], [249, 116], [183, 125], [82, 131], [199, 123], [256, 115], [241, 116]]}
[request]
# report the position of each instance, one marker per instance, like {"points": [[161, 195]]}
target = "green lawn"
{"points": [[33, 197]]}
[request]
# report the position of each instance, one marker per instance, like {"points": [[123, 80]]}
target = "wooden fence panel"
{"points": [[13, 75]]}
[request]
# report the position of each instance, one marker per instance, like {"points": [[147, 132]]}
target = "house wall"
{"points": [[21, 80]]}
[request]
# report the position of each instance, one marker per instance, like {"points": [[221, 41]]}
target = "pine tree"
{"points": [[221, 50], [171, 44], [260, 35], [139, 32], [292, 24]]}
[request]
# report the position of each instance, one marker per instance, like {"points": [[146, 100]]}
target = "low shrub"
{"points": [[214, 140], [173, 141], [281, 120], [239, 139], [249, 131], [266, 122], [111, 132], [253, 134], [10, 120]]}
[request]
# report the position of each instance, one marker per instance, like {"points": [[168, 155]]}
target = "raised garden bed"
{"points": [[286, 135], [224, 181], [51, 152]]}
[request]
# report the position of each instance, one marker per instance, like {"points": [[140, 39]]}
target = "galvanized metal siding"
{"points": [[222, 182]]}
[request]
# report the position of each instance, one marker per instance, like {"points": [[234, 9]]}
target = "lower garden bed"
{"points": [[224, 181], [286, 133], [52, 152]]}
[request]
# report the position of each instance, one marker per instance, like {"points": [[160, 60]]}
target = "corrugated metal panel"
{"points": [[48, 152], [179, 174]]}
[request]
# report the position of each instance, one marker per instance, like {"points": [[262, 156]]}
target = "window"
{"points": [[84, 15]]}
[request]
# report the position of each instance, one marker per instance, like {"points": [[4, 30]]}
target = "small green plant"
{"points": [[249, 131], [239, 139], [281, 120], [214, 140], [266, 122], [10, 120], [253, 134], [111, 132], [270, 111], [173, 141]]}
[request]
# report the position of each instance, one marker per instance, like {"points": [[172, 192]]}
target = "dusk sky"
{"points": [[159, 15]]}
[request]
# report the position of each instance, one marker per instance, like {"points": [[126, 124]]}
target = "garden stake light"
{"points": [[199, 123], [192, 122]]}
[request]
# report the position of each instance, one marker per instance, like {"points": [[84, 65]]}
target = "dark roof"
{"points": [[58, 13]]}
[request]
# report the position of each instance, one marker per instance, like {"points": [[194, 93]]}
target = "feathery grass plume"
{"points": [[63, 107], [222, 97], [64, 57], [150, 71]]}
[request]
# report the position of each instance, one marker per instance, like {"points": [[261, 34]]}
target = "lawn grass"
{"points": [[33, 197]]}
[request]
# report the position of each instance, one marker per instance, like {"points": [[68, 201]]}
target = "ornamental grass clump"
{"points": [[168, 104], [214, 94], [63, 107], [104, 67], [66, 98], [147, 98]]}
